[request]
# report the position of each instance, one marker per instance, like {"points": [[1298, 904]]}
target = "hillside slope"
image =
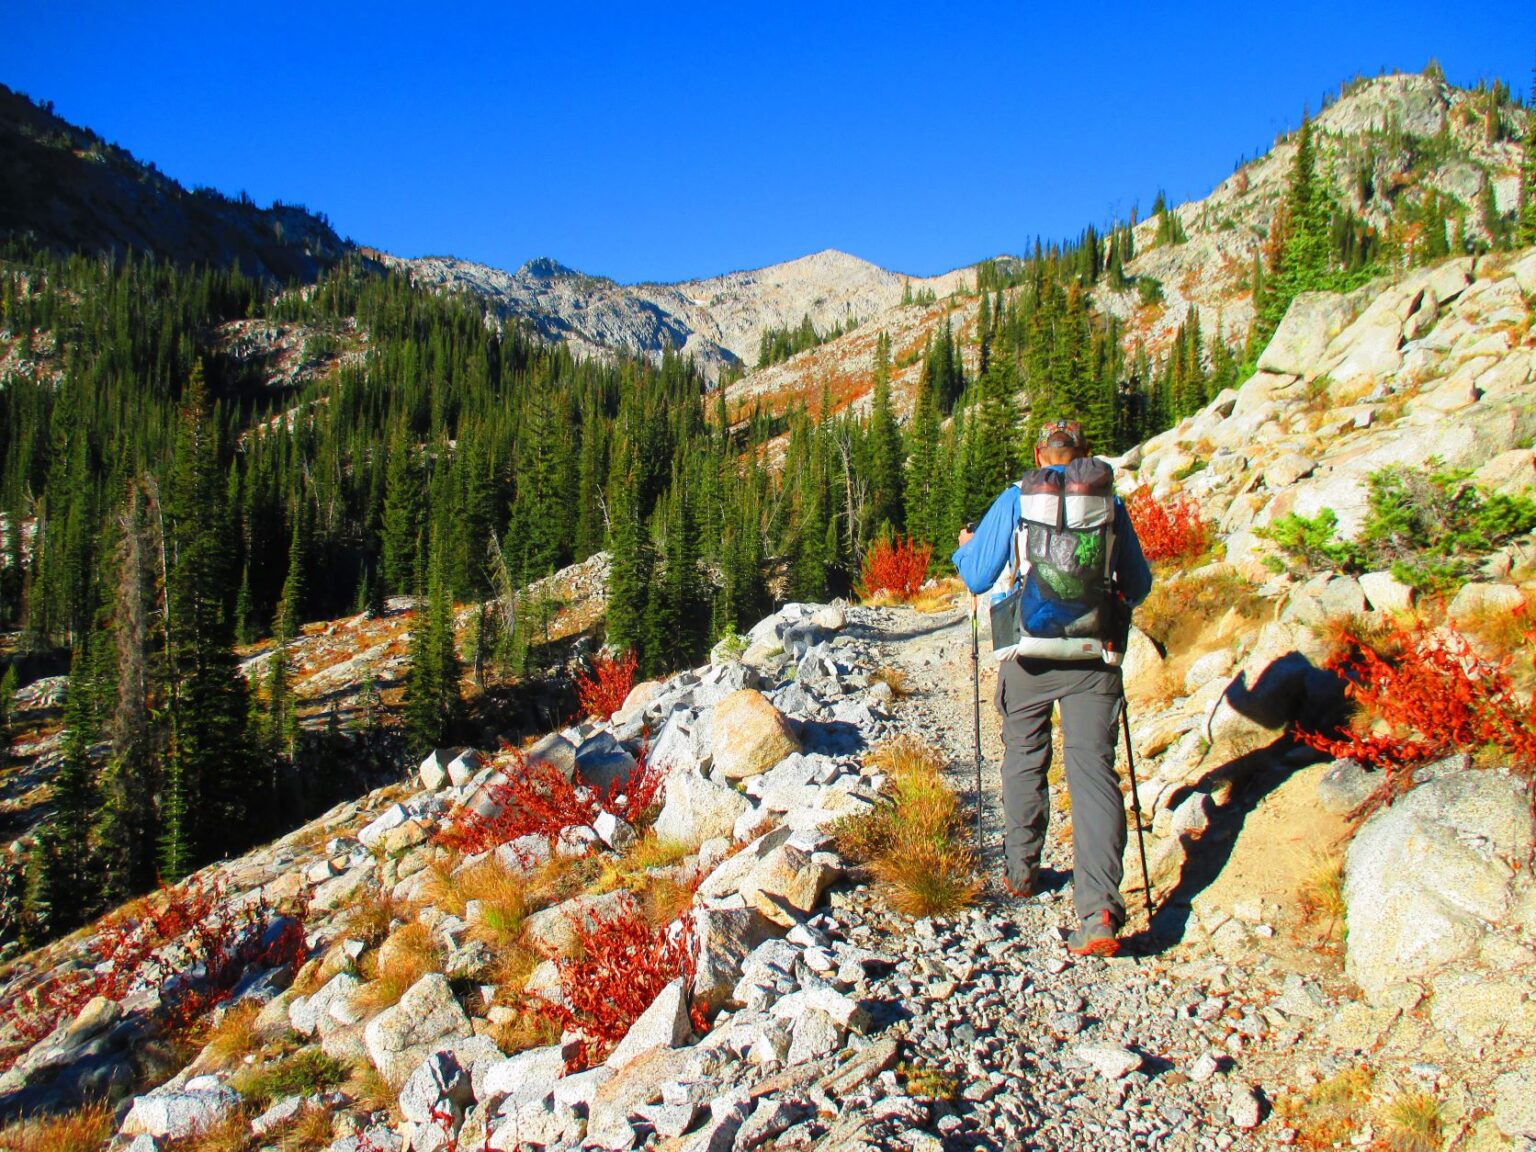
{"points": [[824, 1020], [67, 189]]}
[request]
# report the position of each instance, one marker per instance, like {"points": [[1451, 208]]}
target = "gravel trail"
{"points": [[1044, 1050]]}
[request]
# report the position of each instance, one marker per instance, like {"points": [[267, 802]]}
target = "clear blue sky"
{"points": [[666, 141]]}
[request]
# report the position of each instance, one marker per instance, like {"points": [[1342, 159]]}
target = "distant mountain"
{"points": [[718, 320], [64, 188]]}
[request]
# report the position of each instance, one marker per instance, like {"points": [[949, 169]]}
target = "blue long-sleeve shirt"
{"points": [[982, 559]]}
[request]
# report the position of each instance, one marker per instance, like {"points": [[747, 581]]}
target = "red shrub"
{"points": [[620, 965], [602, 693], [190, 943], [1424, 694], [898, 567], [537, 800], [1170, 529]]}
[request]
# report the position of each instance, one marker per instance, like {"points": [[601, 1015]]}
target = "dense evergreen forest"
{"points": [[162, 502]]}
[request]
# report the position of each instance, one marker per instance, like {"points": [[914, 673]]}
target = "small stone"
{"points": [[1245, 1107], [1109, 1060]]}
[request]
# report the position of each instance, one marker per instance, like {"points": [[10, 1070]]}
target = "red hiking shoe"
{"points": [[1095, 936]]}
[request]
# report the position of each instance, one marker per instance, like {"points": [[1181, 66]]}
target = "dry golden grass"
{"points": [[511, 969], [926, 1082], [914, 841], [1331, 1112], [524, 1030], [1412, 1122], [311, 1131], [1179, 612], [939, 596], [893, 678], [369, 1090], [232, 1038], [83, 1130], [409, 954], [232, 1134], [1322, 893], [1496, 632], [375, 914], [503, 899]]}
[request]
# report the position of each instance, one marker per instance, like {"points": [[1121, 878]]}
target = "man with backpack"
{"points": [[1068, 568]]}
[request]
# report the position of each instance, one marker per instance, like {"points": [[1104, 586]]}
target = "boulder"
{"points": [[426, 1019], [1426, 878], [439, 1085], [779, 877], [698, 809], [750, 735], [635, 703], [528, 1077], [1384, 592], [602, 762], [725, 937], [391, 818], [664, 1024], [434, 769], [1310, 324], [1514, 1108], [832, 617], [614, 831], [176, 1113], [553, 930], [1285, 470], [556, 750], [1479, 599]]}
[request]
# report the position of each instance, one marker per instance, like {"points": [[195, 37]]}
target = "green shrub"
{"points": [[303, 1073], [1149, 289], [1312, 543], [1429, 527]]}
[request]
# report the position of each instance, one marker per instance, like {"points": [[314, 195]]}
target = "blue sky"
{"points": [[661, 142]]}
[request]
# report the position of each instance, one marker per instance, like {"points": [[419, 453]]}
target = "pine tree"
{"points": [[1525, 231], [125, 825], [209, 775], [73, 892], [432, 693], [886, 455], [404, 508]]}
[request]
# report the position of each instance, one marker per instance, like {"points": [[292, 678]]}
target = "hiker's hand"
{"points": [[966, 536]]}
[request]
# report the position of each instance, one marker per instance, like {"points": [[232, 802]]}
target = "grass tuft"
{"points": [[914, 841], [1322, 893], [311, 1131], [409, 954], [893, 678], [1331, 1112], [82, 1130], [234, 1037], [929, 1083], [1412, 1122], [302, 1073]]}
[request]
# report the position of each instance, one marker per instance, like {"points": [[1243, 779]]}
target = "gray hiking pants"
{"points": [[1089, 693]]}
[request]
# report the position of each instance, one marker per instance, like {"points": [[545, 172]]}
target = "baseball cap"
{"points": [[1061, 434]]}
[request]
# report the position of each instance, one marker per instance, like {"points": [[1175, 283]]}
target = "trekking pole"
{"points": [[976, 715], [1141, 844]]}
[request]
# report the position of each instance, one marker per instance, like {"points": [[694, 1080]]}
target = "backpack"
{"points": [[1062, 605]]}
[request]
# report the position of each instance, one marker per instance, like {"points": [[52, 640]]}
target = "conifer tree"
{"points": [[1525, 232], [210, 777], [125, 824], [432, 693], [404, 508], [886, 456]]}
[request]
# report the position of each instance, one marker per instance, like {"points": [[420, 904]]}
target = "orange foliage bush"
{"points": [[619, 967], [898, 567], [1424, 694], [190, 943], [537, 800], [601, 693], [1169, 529]]}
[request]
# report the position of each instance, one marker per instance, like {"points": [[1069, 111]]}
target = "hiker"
{"points": [[1053, 625]]}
